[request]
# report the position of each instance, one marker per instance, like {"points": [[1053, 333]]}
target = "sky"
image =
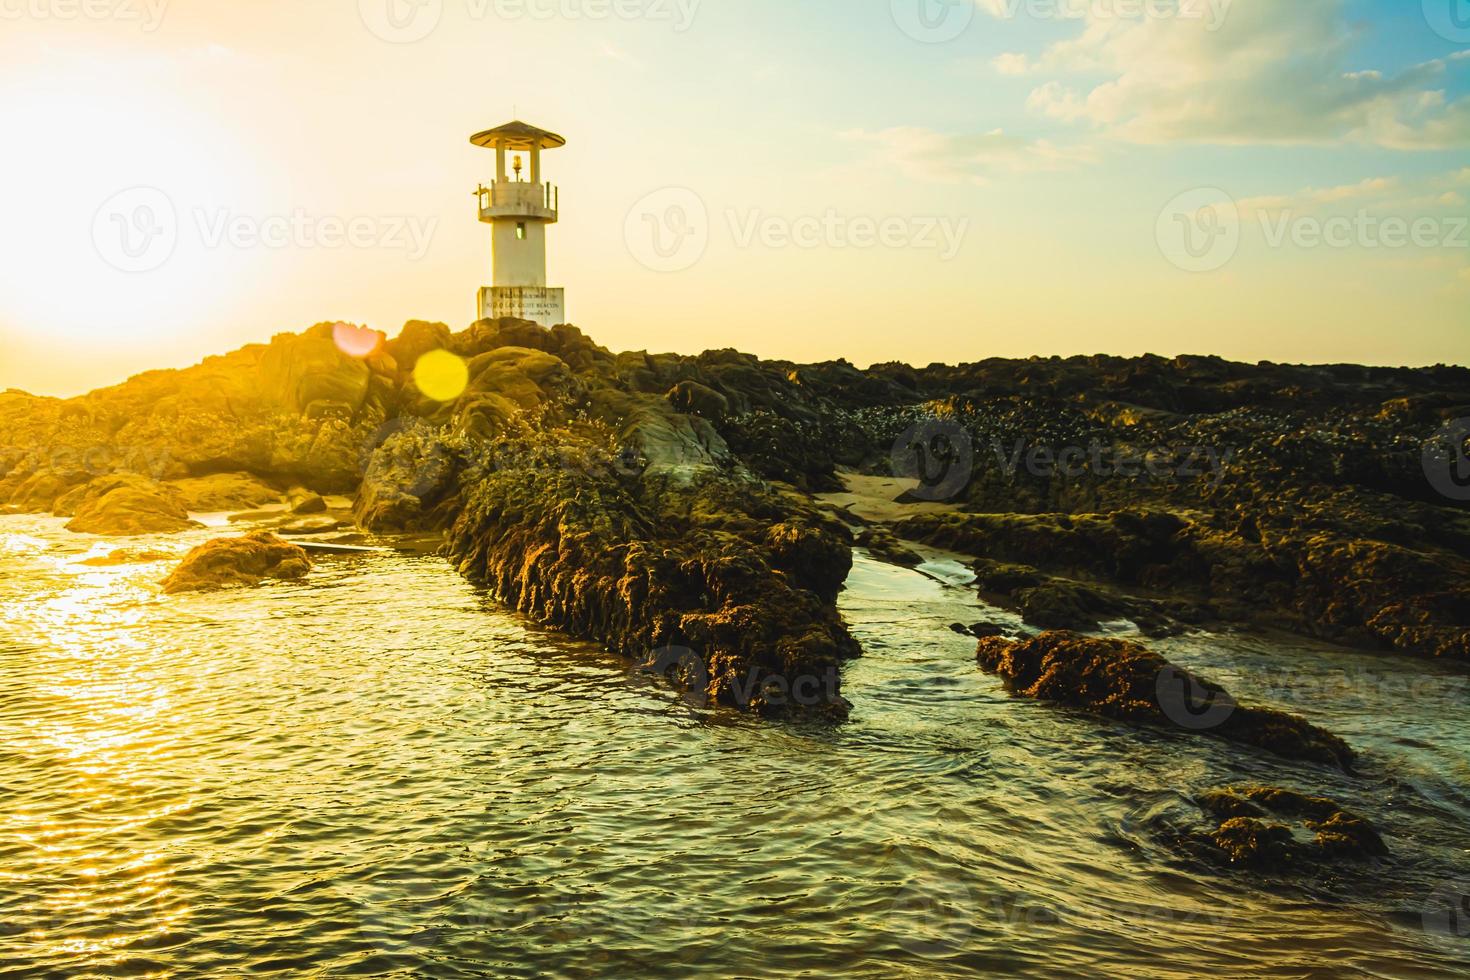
{"points": [[912, 180]]}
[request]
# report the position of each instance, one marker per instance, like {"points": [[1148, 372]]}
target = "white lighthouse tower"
{"points": [[518, 206]]}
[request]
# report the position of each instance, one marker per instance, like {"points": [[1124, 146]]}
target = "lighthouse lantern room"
{"points": [[519, 206]]}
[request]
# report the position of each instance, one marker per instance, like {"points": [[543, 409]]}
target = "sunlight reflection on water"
{"points": [[375, 771]]}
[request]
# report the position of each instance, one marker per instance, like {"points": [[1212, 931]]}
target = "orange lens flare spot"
{"points": [[355, 341], [441, 375]]}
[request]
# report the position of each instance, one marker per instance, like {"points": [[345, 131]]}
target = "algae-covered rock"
{"points": [[1123, 680], [1245, 837], [238, 562]]}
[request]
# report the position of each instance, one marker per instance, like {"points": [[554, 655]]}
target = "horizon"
{"points": [[392, 334], [1036, 208]]}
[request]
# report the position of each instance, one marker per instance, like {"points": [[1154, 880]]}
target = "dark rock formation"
{"points": [[1123, 680], [238, 562], [1246, 834], [644, 499]]}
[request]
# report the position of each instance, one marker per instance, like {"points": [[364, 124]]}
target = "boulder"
{"points": [[1123, 680], [238, 562], [1256, 829], [125, 504]]}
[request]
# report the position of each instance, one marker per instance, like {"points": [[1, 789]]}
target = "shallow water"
{"points": [[378, 772]]}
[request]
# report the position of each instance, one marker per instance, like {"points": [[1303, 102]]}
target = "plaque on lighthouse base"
{"points": [[539, 304]]}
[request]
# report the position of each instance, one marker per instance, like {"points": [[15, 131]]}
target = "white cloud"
{"points": [[930, 155], [1380, 195], [1012, 64], [1274, 73]]}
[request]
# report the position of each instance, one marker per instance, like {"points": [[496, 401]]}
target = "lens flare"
{"points": [[441, 375], [356, 341]]}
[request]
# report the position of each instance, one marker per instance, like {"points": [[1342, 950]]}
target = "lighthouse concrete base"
{"points": [[539, 304]]}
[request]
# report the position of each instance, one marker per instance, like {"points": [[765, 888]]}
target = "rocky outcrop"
{"points": [[125, 504], [1194, 489], [1123, 680], [225, 563], [1251, 831]]}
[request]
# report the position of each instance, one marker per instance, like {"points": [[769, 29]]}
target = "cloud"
{"points": [[1385, 196], [1012, 64], [926, 154], [1273, 73], [1372, 187]]}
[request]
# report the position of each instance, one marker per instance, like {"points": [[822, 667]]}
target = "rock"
{"points": [[129, 556], [693, 398], [298, 371], [1245, 838], [1123, 680], [311, 525], [885, 547], [238, 562], [126, 504], [407, 482], [1248, 841], [303, 501], [684, 560], [222, 492]]}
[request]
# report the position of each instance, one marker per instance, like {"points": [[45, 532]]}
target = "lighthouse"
{"points": [[518, 206]]}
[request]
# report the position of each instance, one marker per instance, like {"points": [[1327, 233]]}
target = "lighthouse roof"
{"points": [[517, 136]]}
